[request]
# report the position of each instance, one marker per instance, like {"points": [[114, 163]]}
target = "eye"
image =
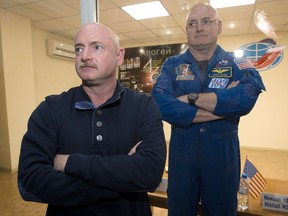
{"points": [[206, 21], [193, 23], [98, 48], [78, 49]]}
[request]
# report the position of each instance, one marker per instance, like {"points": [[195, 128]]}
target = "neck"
{"points": [[99, 94], [202, 53]]}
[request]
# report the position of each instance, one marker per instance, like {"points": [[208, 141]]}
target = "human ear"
{"points": [[120, 56]]}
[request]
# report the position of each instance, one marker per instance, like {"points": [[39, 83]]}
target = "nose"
{"points": [[86, 54], [199, 25]]}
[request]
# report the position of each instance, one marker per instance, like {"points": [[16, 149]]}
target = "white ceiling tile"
{"points": [[169, 38], [52, 8], [6, 4], [285, 28], [278, 20], [127, 27], [123, 37], [174, 31], [239, 24], [173, 7], [74, 21], [72, 3], [63, 17], [180, 19], [141, 34], [27, 12], [280, 28], [130, 43], [236, 12], [52, 25], [121, 3], [105, 4], [23, 1], [273, 7], [115, 15], [155, 23]]}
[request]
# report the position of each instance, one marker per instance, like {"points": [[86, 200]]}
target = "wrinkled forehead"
{"points": [[89, 32], [201, 11], [93, 32]]}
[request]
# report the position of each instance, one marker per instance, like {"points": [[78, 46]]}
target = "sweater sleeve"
{"points": [[38, 180]]}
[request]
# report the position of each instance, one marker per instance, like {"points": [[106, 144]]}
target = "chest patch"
{"points": [[183, 72], [218, 83], [220, 72]]}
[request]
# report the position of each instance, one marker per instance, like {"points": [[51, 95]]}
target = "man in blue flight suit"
{"points": [[203, 93]]}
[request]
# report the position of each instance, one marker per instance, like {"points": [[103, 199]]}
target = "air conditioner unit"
{"points": [[61, 50]]}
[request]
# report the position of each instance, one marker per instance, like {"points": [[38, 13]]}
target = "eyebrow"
{"points": [[90, 43], [200, 19]]}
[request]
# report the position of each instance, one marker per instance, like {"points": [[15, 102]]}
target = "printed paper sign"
{"points": [[275, 202]]}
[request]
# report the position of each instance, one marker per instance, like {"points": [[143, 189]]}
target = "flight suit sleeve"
{"points": [[240, 100], [165, 92]]}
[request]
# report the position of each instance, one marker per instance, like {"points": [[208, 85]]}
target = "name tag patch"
{"points": [[218, 83], [220, 72]]}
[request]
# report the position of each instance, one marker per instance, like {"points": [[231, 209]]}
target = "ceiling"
{"points": [[62, 17]]}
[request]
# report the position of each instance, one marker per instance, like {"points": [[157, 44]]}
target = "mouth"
{"points": [[84, 66], [201, 35], [87, 66]]}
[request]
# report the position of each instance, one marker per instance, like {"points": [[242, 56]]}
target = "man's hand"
{"points": [[133, 150], [184, 98], [60, 162]]}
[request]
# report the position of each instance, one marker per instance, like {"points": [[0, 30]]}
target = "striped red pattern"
{"points": [[257, 182]]}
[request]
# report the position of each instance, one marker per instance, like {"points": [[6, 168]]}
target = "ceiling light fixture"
{"points": [[146, 10], [230, 3], [184, 4]]}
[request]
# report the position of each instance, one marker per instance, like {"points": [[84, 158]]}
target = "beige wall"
{"points": [[17, 85], [27, 75], [52, 75]]}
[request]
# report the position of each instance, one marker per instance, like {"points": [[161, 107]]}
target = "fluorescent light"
{"points": [[230, 3], [232, 25], [146, 10]]}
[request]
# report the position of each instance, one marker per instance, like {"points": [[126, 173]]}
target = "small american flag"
{"points": [[243, 63], [257, 181]]}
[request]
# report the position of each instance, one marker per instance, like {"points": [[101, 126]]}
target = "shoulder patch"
{"points": [[243, 63]]}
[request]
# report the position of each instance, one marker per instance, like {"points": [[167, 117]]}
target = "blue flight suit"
{"points": [[204, 158]]}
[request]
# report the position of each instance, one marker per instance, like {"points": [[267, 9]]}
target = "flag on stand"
{"points": [[257, 181]]}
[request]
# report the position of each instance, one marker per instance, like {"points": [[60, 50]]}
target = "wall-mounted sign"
{"points": [[142, 65], [264, 54]]}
